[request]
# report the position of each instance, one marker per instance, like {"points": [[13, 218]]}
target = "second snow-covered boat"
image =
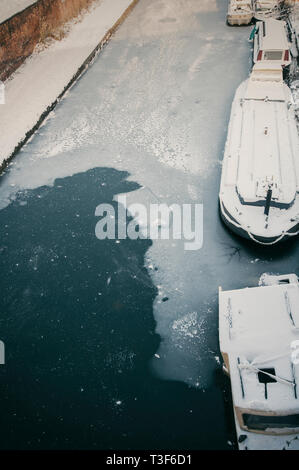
{"points": [[259, 343], [259, 192], [264, 9], [240, 12]]}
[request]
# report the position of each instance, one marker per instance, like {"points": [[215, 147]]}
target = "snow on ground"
{"points": [[9, 8], [40, 80]]}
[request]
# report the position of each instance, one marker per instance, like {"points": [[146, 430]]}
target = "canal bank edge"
{"points": [[28, 129], [35, 24]]}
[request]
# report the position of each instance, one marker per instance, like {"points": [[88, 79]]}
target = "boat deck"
{"points": [[262, 147], [258, 327]]}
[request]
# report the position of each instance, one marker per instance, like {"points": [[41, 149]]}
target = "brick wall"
{"points": [[20, 34]]}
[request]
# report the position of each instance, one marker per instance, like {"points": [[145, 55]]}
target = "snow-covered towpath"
{"points": [[47, 73], [9, 8]]}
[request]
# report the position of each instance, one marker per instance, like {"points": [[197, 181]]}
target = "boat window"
{"points": [[284, 281], [264, 378], [272, 55], [262, 423]]}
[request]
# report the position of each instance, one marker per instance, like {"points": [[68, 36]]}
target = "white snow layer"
{"points": [[44, 75], [9, 8]]}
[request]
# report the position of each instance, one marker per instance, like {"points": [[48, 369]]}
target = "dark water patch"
{"points": [[77, 321]]}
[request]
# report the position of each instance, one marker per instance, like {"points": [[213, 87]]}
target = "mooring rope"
{"points": [[250, 366]]}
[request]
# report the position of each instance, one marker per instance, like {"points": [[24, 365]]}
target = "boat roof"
{"points": [[257, 328], [264, 137], [266, 82], [273, 34]]}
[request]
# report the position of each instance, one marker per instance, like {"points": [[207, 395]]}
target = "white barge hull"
{"points": [[239, 19]]}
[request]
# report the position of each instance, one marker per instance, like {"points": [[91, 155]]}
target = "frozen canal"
{"points": [[115, 345]]}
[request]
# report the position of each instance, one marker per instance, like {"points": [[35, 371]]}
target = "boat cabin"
{"points": [[271, 42], [264, 107]]}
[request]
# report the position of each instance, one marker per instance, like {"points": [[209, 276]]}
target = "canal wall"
{"points": [[40, 21], [43, 79]]}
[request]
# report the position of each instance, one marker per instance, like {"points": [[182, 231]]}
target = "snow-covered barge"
{"points": [[259, 342], [240, 12], [264, 9], [243, 12], [259, 191]]}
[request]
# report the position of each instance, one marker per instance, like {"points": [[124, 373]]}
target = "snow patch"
{"points": [[9, 8]]}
